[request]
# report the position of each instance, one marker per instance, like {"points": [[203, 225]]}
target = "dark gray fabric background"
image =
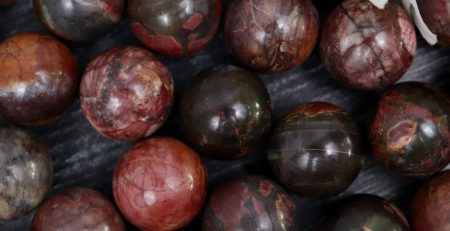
{"points": [[83, 158]]}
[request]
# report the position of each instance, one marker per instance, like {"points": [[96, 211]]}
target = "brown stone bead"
{"points": [[38, 78], [436, 15], [26, 173], [250, 203], [271, 36], [160, 184], [410, 131], [430, 208], [365, 47], [75, 210], [126, 93]]}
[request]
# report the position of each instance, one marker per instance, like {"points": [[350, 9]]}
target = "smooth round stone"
{"points": [[26, 173], [316, 150]]}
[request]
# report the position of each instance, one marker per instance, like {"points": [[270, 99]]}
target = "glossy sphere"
{"points": [[410, 132], [175, 27], [436, 15], [430, 208], [271, 36], [160, 184], [316, 150], [25, 173], [77, 209], [226, 112], [79, 20], [364, 212], [126, 93], [38, 78], [366, 47], [250, 203]]}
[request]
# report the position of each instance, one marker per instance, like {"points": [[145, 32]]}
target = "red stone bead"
{"points": [[126, 93], [430, 208], [77, 209], [250, 203], [436, 15], [38, 78], [160, 184], [269, 35], [366, 47]]}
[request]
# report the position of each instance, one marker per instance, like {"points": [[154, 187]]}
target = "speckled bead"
{"points": [[364, 213], [79, 20], [316, 150], [26, 173], [38, 78], [225, 112], [365, 47], [430, 208], [160, 184], [250, 203], [271, 36], [126, 93], [436, 15], [175, 27], [77, 209], [410, 131]]}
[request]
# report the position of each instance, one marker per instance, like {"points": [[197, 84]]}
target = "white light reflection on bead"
{"points": [[427, 128], [164, 19], [188, 6], [240, 111]]}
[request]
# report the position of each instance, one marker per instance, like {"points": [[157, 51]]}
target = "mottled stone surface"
{"points": [[225, 112], [38, 78], [364, 213], [271, 36], [160, 184], [430, 208], [25, 172], [176, 27], [365, 47], [249, 203], [316, 150], [126, 93], [77, 209], [410, 131], [79, 20], [436, 15]]}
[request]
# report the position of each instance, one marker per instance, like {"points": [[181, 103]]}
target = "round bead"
{"points": [[249, 203], [430, 208], [225, 112], [410, 131], [271, 36], [26, 173], [364, 212], [175, 27], [77, 209], [365, 47], [126, 93], [436, 15], [316, 150], [160, 184], [38, 78], [79, 20]]}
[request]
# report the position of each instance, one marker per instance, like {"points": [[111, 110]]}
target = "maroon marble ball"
{"points": [[436, 15], [430, 208], [126, 93], [160, 184], [365, 47], [271, 36], [249, 203], [77, 209], [175, 27], [410, 131], [38, 78]]}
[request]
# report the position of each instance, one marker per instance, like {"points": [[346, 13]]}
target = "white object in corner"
{"points": [[379, 3], [414, 13]]}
